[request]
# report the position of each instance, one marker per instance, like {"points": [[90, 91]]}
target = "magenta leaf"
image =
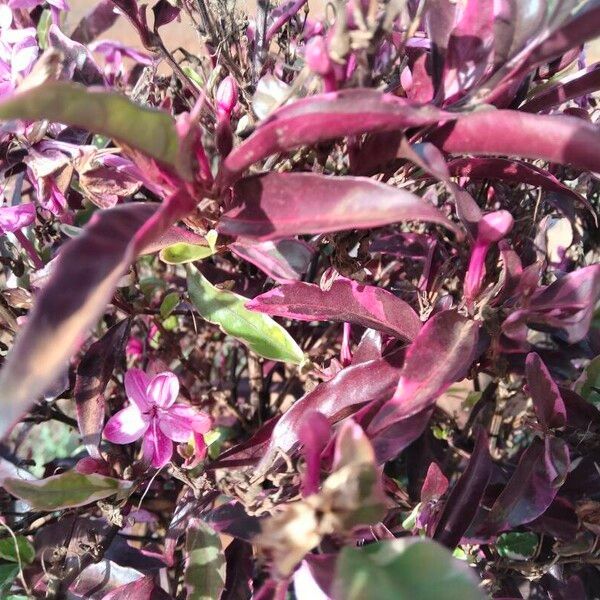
{"points": [[370, 381], [447, 343], [547, 401], [565, 306], [325, 117], [346, 301], [464, 499], [278, 205], [574, 86], [559, 139], [514, 171], [93, 374], [314, 433], [541, 471]]}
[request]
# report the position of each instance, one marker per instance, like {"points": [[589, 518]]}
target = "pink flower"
{"points": [[154, 415]]}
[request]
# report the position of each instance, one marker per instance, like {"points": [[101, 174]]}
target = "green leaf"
{"points": [[43, 26], [517, 545], [169, 304], [258, 331], [590, 386], [8, 549], [211, 238], [403, 569], [182, 252], [148, 130], [67, 490], [204, 575], [8, 573]]}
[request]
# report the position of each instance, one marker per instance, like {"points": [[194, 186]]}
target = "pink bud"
{"points": [[316, 56], [227, 96], [494, 226], [491, 229]]}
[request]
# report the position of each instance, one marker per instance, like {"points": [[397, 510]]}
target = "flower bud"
{"points": [[227, 96]]}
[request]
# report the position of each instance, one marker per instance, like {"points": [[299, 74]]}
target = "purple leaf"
{"points": [[565, 306], [325, 117], [83, 281], [346, 301], [93, 374], [578, 28], [137, 17], [580, 413], [78, 64], [470, 48], [94, 23], [174, 235], [547, 402], [164, 13], [314, 433], [514, 171], [463, 501], [280, 205], [559, 139], [541, 471], [435, 484], [282, 260], [238, 575], [337, 398], [447, 344], [396, 435]]}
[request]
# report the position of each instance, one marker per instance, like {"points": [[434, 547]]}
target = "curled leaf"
{"points": [[226, 309]]}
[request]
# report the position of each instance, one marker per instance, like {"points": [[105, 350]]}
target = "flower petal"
{"points": [[136, 384], [126, 426], [163, 389], [157, 447], [180, 420], [199, 455]]}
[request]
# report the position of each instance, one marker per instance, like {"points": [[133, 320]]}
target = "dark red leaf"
{"points": [[346, 301], [278, 205]]}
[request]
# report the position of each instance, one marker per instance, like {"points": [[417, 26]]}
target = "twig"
{"points": [[262, 14]]}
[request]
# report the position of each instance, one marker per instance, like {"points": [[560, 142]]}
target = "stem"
{"points": [[29, 248], [284, 18], [262, 12]]}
